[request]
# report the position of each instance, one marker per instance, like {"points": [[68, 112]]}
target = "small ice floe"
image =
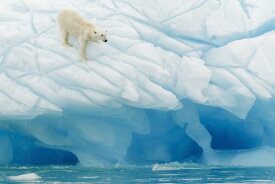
{"points": [[160, 167], [167, 166], [174, 166], [89, 177], [25, 177]]}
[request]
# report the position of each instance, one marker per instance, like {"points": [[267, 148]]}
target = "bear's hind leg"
{"points": [[65, 38]]}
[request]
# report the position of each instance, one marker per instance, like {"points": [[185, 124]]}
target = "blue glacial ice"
{"points": [[179, 80]]}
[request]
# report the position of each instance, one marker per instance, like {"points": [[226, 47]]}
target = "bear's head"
{"points": [[99, 34]]}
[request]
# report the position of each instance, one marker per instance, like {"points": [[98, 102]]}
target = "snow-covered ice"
{"points": [[178, 80]]}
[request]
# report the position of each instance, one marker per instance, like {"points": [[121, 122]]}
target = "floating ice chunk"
{"points": [[159, 167], [25, 177], [174, 166]]}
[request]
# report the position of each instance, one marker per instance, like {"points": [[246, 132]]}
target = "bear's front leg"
{"points": [[83, 46]]}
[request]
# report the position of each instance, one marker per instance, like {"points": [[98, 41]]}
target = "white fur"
{"points": [[71, 23]]}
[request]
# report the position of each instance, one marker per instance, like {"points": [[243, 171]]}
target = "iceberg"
{"points": [[178, 81]]}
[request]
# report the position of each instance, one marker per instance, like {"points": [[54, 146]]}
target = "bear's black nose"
{"points": [[105, 40]]}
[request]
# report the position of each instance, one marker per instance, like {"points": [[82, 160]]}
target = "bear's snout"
{"points": [[105, 40]]}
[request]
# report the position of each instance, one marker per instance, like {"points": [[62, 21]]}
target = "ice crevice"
{"points": [[179, 80]]}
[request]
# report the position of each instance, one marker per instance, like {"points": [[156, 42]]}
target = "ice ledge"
{"points": [[142, 66]]}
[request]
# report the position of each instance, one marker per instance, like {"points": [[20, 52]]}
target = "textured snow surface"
{"points": [[178, 80]]}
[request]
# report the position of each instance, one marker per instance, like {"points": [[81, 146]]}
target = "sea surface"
{"points": [[138, 174]]}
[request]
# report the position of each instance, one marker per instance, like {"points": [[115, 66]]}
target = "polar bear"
{"points": [[71, 23]]}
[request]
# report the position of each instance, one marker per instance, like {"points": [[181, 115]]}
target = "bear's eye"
{"points": [[95, 32], [102, 35]]}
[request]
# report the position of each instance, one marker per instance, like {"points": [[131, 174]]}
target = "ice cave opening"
{"points": [[24, 150]]}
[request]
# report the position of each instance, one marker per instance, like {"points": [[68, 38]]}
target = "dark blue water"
{"points": [[132, 174]]}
